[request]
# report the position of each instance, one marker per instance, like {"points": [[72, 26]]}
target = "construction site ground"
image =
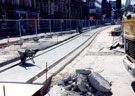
{"points": [[11, 52], [99, 58]]}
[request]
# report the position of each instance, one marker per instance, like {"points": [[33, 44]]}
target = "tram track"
{"points": [[38, 54], [35, 77], [56, 63], [43, 51]]}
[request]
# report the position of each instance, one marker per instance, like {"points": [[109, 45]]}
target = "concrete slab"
{"points": [[12, 89]]}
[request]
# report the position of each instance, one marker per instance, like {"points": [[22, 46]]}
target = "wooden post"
{"points": [[4, 90], [8, 39], [46, 72]]}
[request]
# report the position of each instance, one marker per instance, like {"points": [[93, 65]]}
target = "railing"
{"points": [[24, 27]]}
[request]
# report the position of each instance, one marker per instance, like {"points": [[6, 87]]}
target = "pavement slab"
{"points": [[12, 89]]}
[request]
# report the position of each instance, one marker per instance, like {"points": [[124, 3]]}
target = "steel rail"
{"points": [[47, 50]]}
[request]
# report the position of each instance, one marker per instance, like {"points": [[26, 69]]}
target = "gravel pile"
{"points": [[85, 83]]}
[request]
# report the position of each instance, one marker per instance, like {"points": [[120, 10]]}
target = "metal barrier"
{"points": [[23, 27]]}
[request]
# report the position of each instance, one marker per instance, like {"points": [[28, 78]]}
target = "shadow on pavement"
{"points": [[133, 85], [27, 65]]}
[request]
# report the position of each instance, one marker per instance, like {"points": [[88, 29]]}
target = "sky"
{"points": [[123, 1]]}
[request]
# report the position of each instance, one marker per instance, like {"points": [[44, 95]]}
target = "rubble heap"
{"points": [[85, 83]]}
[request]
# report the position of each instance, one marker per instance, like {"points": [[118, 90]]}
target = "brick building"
{"points": [[63, 9], [16, 9], [21, 15]]}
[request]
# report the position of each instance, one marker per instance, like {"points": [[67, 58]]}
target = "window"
{"points": [[91, 4], [33, 3], [92, 10], [45, 7], [0, 1], [55, 7], [62, 6], [21, 2], [16, 2], [13, 2], [38, 6], [97, 5]]}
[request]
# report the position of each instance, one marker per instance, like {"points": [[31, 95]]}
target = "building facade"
{"points": [[45, 9], [113, 4], [106, 10], [18, 9], [20, 16], [95, 9], [116, 9], [13, 10], [63, 9]]}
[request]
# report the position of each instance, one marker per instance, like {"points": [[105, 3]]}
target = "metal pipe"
{"points": [[36, 27], [50, 26], [20, 31]]}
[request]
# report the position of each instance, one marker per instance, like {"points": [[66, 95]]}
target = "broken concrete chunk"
{"points": [[82, 83], [69, 87], [99, 83], [85, 83], [61, 83], [89, 94], [71, 93], [67, 78], [70, 82], [98, 93], [83, 71], [74, 77]]}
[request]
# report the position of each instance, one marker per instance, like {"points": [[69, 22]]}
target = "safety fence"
{"points": [[25, 27]]}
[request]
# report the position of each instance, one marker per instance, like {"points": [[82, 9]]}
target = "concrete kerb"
{"points": [[34, 37], [78, 53], [17, 58], [41, 73], [49, 35]]}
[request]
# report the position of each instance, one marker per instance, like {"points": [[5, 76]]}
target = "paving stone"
{"points": [[69, 87], [82, 83], [67, 78], [61, 83], [75, 88], [89, 94]]}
